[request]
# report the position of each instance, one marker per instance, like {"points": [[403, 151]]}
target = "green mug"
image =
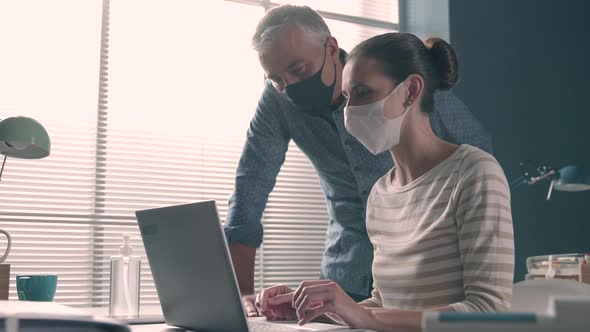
{"points": [[36, 287]]}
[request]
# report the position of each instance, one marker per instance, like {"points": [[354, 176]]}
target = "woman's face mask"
{"points": [[368, 124]]}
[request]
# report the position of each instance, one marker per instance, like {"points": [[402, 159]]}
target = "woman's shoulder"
{"points": [[384, 182], [474, 162]]}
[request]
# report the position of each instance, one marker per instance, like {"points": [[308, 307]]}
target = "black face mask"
{"points": [[311, 94]]}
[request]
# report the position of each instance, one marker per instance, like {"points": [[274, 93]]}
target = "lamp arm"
{"points": [[536, 179], [518, 182]]}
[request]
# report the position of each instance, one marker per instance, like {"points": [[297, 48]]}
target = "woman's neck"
{"points": [[419, 149]]}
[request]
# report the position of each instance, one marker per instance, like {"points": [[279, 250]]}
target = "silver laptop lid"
{"points": [[192, 268]]}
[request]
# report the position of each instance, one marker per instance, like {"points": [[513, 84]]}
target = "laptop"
{"points": [[193, 273]]}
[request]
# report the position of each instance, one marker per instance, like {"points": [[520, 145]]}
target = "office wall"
{"points": [[425, 18], [525, 72]]}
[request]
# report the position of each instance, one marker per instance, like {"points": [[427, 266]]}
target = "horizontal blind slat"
{"points": [[67, 212]]}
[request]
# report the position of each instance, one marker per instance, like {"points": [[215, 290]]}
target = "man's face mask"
{"points": [[368, 124], [311, 94]]}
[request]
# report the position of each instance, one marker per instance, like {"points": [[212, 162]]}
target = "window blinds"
{"points": [[49, 71], [174, 102]]}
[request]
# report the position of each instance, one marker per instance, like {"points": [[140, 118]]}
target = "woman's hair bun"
{"points": [[445, 62]]}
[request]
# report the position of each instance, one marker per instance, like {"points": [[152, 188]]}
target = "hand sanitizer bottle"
{"points": [[125, 277]]}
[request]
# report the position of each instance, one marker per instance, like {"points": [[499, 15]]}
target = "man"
{"points": [[302, 101]]}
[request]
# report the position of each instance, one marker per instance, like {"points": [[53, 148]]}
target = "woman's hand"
{"points": [[315, 298], [275, 303]]}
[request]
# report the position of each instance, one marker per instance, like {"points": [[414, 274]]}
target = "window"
{"points": [[149, 110]]}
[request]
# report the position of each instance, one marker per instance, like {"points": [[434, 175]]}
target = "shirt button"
{"points": [[365, 192], [348, 144], [356, 168]]}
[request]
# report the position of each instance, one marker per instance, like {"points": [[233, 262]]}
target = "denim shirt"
{"points": [[347, 172]]}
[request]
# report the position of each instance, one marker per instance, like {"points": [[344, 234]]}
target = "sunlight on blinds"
{"points": [[195, 75], [349, 35], [384, 10], [182, 83], [177, 143], [49, 71]]}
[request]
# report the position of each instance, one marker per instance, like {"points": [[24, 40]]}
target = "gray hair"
{"points": [[303, 17]]}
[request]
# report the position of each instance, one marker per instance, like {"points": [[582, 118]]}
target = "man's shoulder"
{"points": [[272, 114], [447, 98], [271, 98]]}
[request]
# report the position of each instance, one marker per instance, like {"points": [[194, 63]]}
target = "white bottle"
{"points": [[125, 277]]}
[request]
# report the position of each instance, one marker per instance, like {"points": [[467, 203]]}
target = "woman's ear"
{"points": [[415, 89]]}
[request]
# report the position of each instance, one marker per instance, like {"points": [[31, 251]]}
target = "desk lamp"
{"points": [[22, 137], [568, 178]]}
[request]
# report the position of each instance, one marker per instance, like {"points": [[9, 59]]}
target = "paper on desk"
{"points": [[533, 295], [51, 310]]}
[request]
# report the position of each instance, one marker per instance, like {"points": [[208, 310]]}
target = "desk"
{"points": [[166, 328], [154, 328], [151, 312]]}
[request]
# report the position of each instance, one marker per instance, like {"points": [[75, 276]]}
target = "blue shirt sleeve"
{"points": [[262, 157], [453, 122]]}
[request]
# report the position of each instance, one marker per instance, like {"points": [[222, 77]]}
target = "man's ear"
{"points": [[332, 47]]}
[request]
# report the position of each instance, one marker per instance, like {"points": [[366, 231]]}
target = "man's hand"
{"points": [[242, 257], [275, 303], [249, 307]]}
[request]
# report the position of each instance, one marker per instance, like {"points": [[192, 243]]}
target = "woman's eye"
{"points": [[361, 92]]}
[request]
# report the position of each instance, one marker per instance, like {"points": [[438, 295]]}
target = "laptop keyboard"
{"points": [[270, 327]]}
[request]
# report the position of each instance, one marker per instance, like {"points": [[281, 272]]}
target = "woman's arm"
{"points": [[369, 304], [334, 319], [315, 298], [374, 301], [394, 320], [486, 244]]}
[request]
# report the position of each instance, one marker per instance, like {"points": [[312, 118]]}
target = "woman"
{"points": [[440, 220]]}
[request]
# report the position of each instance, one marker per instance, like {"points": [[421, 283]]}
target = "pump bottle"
{"points": [[124, 282]]}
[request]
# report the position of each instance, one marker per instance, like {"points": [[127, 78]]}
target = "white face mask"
{"points": [[368, 124]]}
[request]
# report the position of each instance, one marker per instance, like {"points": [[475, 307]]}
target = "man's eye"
{"points": [[277, 83], [299, 70], [278, 86]]}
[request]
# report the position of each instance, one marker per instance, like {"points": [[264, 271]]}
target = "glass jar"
{"points": [[561, 266]]}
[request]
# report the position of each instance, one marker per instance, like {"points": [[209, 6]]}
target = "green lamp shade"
{"points": [[571, 178], [22, 137]]}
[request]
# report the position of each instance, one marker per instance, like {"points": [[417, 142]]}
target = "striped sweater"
{"points": [[445, 238]]}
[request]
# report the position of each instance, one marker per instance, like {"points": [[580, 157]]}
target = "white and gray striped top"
{"points": [[446, 238]]}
